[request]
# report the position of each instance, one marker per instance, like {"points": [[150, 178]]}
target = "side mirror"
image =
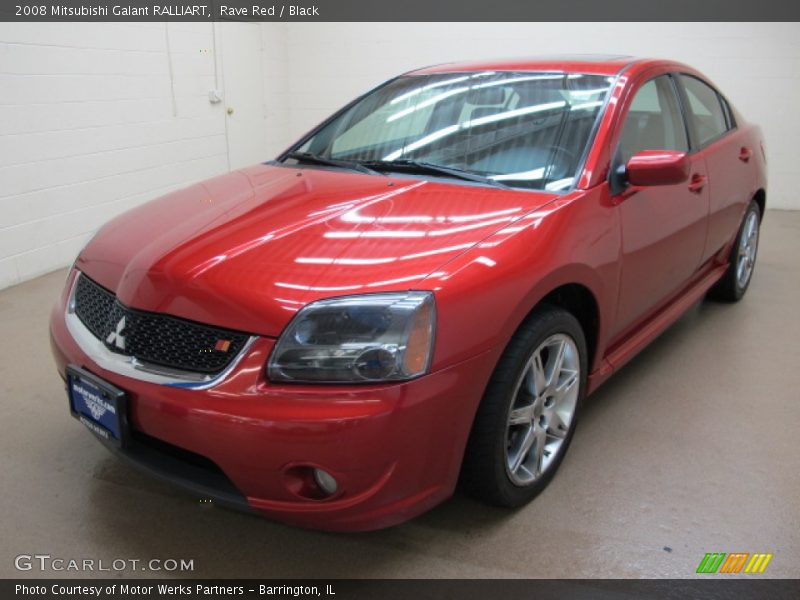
{"points": [[658, 167]]}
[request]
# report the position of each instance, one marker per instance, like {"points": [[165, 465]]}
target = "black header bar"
{"points": [[400, 10]]}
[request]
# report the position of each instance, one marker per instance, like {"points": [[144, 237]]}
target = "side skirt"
{"points": [[652, 328]]}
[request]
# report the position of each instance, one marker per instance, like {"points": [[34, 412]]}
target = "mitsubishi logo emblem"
{"points": [[116, 337]]}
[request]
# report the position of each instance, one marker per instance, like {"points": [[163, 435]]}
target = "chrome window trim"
{"points": [[130, 366]]}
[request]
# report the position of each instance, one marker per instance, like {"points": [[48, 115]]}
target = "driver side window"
{"points": [[654, 120]]}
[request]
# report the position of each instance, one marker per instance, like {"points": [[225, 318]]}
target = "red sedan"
{"points": [[421, 291]]}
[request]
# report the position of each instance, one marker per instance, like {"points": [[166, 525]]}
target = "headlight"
{"points": [[374, 337]]}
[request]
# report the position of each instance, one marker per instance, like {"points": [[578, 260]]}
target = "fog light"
{"points": [[325, 481]]}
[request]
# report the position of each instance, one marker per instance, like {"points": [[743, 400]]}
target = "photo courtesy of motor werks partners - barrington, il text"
{"points": [[169, 590]]}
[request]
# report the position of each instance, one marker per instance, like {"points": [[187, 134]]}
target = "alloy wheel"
{"points": [[748, 245], [542, 408]]}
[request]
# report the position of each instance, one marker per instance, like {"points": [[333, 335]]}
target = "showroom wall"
{"points": [[97, 118]]}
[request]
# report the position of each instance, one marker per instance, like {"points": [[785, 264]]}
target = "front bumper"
{"points": [[395, 449]]}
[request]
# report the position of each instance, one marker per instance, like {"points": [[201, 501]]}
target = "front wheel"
{"points": [[528, 415], [742, 259]]}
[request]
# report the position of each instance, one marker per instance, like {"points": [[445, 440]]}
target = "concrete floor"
{"points": [[691, 448]]}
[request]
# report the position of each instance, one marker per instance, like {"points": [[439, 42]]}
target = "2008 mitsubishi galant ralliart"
{"points": [[421, 291]]}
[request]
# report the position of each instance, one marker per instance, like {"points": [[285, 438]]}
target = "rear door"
{"points": [[729, 155], [663, 227]]}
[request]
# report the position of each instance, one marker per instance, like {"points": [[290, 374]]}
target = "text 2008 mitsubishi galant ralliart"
{"points": [[420, 292]]}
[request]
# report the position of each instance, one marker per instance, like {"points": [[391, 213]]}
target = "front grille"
{"points": [[154, 338]]}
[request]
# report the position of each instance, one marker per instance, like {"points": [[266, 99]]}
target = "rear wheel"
{"points": [[742, 259], [528, 415]]}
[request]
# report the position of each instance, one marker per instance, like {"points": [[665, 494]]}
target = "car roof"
{"points": [[600, 64]]}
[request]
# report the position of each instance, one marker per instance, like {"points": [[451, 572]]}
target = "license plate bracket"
{"points": [[99, 405]]}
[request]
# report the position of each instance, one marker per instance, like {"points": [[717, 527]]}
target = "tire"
{"points": [[523, 407], [732, 286]]}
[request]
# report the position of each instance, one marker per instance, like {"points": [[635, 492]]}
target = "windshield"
{"points": [[520, 129]]}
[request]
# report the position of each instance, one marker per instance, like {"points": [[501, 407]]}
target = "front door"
{"points": [[663, 227]]}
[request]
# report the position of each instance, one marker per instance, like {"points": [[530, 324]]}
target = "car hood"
{"points": [[248, 249]]}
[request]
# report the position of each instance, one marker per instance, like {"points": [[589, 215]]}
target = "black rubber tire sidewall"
{"points": [[484, 472]]}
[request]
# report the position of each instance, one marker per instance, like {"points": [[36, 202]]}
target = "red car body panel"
{"points": [[247, 250]]}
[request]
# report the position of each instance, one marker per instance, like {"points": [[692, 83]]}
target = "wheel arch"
{"points": [[576, 290], [578, 300], [760, 198]]}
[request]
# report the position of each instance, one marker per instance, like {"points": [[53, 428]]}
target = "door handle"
{"points": [[745, 154], [697, 183]]}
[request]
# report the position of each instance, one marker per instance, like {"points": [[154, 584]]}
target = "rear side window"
{"points": [[706, 112], [654, 120]]}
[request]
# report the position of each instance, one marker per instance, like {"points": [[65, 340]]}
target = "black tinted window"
{"points": [[654, 120], [705, 110]]}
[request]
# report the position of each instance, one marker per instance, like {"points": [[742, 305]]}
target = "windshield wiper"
{"points": [[330, 162], [407, 165]]}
